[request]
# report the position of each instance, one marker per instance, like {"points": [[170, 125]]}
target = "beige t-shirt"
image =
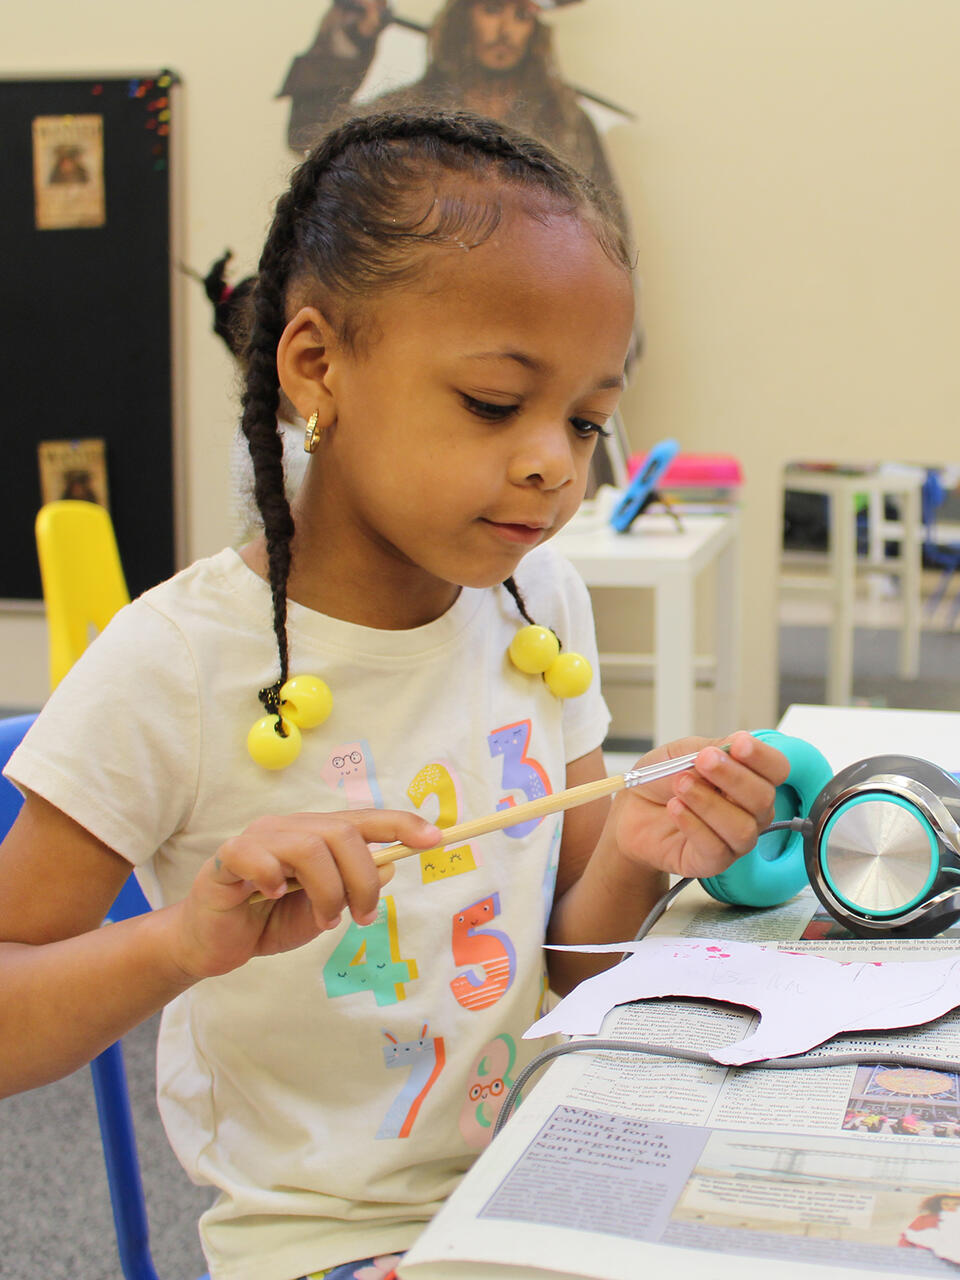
{"points": [[335, 1095]]}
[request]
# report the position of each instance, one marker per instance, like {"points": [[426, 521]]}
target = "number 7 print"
{"points": [[424, 1058]]}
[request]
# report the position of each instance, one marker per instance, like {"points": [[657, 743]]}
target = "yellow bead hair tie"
{"points": [[536, 651], [303, 702]]}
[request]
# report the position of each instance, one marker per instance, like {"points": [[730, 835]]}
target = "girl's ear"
{"points": [[303, 365]]}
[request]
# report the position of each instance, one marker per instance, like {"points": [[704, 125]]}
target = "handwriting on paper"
{"points": [[802, 999]]}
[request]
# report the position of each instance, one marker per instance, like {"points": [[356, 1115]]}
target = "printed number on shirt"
{"points": [[520, 772], [437, 779], [350, 768], [489, 949], [367, 958], [423, 1058]]}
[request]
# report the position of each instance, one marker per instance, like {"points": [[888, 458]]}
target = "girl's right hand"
{"points": [[219, 928]]}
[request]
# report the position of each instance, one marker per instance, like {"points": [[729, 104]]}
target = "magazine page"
{"points": [[565, 1191]]}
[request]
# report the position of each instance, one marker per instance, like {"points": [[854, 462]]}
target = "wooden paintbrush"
{"points": [[555, 803]]}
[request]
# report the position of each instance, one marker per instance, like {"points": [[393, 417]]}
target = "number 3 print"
{"points": [[520, 771]]}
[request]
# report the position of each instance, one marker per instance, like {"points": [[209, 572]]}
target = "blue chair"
{"points": [[117, 1133], [11, 731], [109, 1073]]}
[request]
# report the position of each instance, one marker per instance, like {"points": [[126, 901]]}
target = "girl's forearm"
{"points": [[608, 903], [62, 1003]]}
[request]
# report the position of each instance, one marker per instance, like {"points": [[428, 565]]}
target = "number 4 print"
{"points": [[367, 958]]}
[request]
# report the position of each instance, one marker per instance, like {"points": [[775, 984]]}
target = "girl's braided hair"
{"points": [[352, 222]]}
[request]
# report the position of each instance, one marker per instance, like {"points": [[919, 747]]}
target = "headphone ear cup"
{"points": [[882, 852], [774, 870], [911, 833]]}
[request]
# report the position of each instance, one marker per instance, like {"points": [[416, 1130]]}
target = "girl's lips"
{"points": [[525, 534]]}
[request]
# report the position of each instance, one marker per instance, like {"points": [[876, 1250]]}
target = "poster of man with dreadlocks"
{"points": [[494, 57]]}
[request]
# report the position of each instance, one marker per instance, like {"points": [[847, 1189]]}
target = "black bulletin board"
{"points": [[85, 322]]}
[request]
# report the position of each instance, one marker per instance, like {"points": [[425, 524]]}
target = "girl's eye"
{"points": [[585, 428], [489, 412]]}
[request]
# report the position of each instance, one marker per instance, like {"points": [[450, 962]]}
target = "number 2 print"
{"points": [[435, 779]]}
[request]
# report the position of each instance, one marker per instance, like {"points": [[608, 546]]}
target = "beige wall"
{"points": [[794, 181], [795, 186]]}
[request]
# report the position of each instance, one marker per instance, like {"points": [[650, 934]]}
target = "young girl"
{"points": [[449, 307]]}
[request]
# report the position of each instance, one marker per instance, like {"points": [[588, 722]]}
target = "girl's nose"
{"points": [[545, 459]]}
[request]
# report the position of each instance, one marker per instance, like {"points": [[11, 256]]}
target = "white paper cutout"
{"points": [[802, 999]]}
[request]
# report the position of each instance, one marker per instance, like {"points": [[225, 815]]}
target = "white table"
{"points": [[656, 556], [848, 734], [842, 488]]}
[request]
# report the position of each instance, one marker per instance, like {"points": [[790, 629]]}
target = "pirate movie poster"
{"points": [[68, 172], [493, 57]]}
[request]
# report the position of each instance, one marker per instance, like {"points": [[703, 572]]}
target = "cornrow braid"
{"points": [[358, 210], [514, 590], [260, 403]]}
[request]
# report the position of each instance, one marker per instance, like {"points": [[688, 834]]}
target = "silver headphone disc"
{"points": [[877, 855]]}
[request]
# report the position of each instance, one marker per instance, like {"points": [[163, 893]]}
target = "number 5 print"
{"points": [[492, 950]]}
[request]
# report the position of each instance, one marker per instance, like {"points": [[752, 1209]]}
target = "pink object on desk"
{"points": [[695, 471]]}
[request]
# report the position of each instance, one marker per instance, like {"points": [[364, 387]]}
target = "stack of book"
{"points": [[697, 482]]}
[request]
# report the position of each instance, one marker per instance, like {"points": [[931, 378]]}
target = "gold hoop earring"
{"points": [[313, 433]]}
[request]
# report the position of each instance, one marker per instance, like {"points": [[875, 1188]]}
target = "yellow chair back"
{"points": [[83, 582]]}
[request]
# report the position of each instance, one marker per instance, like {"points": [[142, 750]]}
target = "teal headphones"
{"points": [[879, 843]]}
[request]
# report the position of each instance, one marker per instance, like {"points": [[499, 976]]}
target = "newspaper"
{"points": [[620, 1165]]}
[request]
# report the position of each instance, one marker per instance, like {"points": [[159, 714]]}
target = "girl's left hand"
{"points": [[695, 824]]}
